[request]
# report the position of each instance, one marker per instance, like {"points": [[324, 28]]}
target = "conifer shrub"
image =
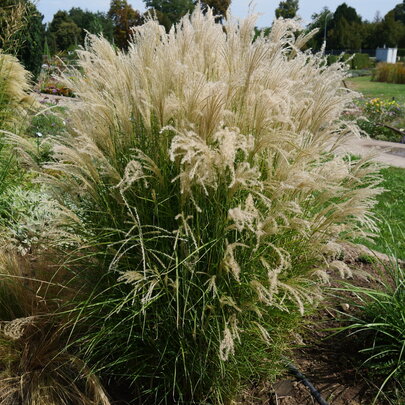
{"points": [[200, 172], [361, 61]]}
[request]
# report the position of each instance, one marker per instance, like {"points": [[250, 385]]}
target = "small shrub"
{"points": [[380, 321], [361, 61], [382, 110], [332, 59], [389, 73], [49, 79], [28, 216], [356, 61], [367, 258], [48, 122], [55, 88], [343, 58]]}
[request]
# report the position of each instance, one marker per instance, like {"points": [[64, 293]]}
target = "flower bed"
{"points": [[49, 79], [382, 119], [52, 86]]}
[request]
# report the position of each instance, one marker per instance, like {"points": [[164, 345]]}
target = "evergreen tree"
{"points": [[399, 12], [95, 23], [369, 34], [31, 51], [346, 12], [345, 32], [63, 33], [287, 9], [399, 17], [390, 31], [26, 37]]}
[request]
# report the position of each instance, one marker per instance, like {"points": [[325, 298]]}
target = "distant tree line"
{"points": [[29, 38], [344, 29], [68, 28], [23, 32]]}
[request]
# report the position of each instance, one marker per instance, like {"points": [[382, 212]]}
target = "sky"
{"points": [[240, 8]]}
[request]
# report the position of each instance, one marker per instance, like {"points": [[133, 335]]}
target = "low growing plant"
{"points": [[200, 171], [357, 61], [379, 112], [37, 362], [380, 320], [361, 61], [52, 86]]}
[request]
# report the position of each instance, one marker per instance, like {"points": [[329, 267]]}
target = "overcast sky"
{"points": [[366, 8]]}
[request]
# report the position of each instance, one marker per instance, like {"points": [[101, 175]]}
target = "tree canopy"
{"points": [[345, 29], [219, 7], [399, 12], [21, 25], [63, 33], [287, 9], [32, 48], [93, 22], [171, 10], [123, 17]]}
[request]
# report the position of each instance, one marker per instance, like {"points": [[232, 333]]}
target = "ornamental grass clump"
{"points": [[201, 166], [389, 73], [38, 364], [14, 87]]}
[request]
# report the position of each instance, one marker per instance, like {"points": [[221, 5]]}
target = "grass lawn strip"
{"points": [[364, 85]]}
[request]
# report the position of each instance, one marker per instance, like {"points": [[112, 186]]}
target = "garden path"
{"points": [[389, 153]]}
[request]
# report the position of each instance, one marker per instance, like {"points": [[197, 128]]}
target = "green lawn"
{"points": [[391, 212], [391, 204], [363, 84]]}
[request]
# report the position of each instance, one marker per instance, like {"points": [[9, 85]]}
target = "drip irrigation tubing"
{"points": [[301, 378]]}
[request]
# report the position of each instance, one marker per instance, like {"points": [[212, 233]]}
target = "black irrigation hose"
{"points": [[301, 378]]}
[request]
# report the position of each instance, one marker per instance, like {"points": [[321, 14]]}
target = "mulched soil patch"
{"points": [[329, 361]]}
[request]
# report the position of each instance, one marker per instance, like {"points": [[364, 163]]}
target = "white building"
{"points": [[388, 55]]}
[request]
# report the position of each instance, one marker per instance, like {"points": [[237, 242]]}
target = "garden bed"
{"points": [[330, 361]]}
